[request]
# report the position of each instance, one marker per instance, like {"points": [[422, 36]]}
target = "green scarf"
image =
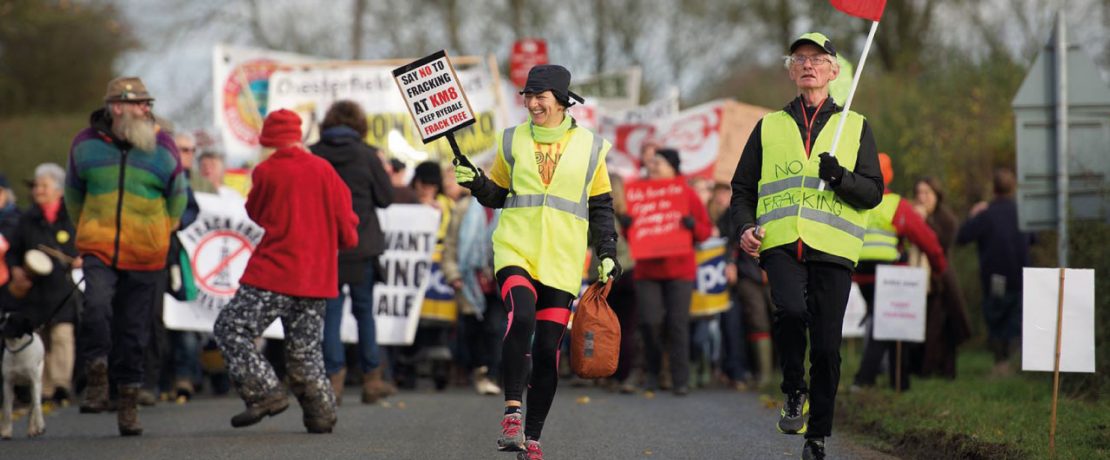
{"points": [[550, 135]]}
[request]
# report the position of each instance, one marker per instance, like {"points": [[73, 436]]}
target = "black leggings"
{"points": [[543, 311]]}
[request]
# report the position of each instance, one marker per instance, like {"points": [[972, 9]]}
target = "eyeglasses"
{"points": [[147, 104], [800, 60], [186, 149]]}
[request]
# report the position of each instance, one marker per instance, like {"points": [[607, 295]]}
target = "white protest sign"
{"points": [[410, 239], [900, 303], [219, 244], [853, 315], [434, 96], [1041, 289]]}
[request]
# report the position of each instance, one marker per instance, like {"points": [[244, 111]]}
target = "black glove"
{"points": [[830, 170], [625, 220], [688, 222]]}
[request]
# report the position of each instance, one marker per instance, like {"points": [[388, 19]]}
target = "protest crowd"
{"points": [[714, 284]]}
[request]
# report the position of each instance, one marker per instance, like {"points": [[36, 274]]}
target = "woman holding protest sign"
{"points": [[665, 285], [540, 244]]}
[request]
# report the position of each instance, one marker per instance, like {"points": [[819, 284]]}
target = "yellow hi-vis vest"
{"points": [[880, 243], [790, 206], [544, 230]]}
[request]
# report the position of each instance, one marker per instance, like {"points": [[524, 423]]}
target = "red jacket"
{"points": [[305, 208], [682, 267]]}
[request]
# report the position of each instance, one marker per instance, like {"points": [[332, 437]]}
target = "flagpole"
{"points": [[851, 93]]}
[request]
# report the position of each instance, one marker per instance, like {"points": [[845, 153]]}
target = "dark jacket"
{"points": [[862, 187], [47, 292], [360, 168], [1003, 248]]}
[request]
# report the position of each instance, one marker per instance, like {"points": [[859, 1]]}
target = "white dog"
{"points": [[23, 361]]}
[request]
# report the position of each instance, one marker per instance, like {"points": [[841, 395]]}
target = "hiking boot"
{"points": [[337, 379], [184, 389], [320, 423], [374, 387], [96, 391], [793, 413], [270, 405], [532, 451], [512, 433], [814, 449], [127, 416]]}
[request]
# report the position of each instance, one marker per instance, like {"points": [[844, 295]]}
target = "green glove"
{"points": [[608, 270], [464, 174]]}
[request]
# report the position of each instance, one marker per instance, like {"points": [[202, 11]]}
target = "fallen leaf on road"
{"points": [[768, 402], [583, 400], [649, 394], [387, 404], [400, 404], [648, 452]]}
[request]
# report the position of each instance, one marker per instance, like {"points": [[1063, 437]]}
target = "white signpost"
{"points": [[900, 296]]}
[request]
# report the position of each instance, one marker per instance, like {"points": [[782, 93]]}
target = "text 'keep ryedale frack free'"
{"points": [[434, 96]]}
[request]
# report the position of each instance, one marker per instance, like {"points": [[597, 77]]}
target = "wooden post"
{"points": [[898, 367], [1056, 365]]}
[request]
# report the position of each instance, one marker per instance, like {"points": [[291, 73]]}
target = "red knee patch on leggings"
{"points": [[516, 281], [555, 315]]}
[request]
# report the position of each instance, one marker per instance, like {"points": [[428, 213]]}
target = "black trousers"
{"points": [[873, 350], [117, 318], [809, 298]]}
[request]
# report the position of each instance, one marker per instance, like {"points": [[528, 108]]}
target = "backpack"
{"points": [[595, 335]]}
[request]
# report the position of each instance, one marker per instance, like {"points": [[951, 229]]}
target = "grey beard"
{"points": [[139, 132]]}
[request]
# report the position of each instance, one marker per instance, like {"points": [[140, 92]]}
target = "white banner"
{"points": [[694, 132], [900, 303], [240, 80], [311, 91], [853, 315], [1041, 289], [410, 239]]}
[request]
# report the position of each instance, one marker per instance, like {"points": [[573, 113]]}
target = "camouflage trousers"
{"points": [[244, 319]]}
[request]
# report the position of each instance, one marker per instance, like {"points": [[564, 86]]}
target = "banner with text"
{"points": [[657, 208], [410, 240], [900, 303], [240, 80], [711, 284], [310, 91], [695, 133]]}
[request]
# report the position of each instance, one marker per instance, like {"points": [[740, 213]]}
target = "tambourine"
{"points": [[37, 262]]}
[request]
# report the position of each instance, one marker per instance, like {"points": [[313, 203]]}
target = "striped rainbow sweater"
{"points": [[125, 202]]}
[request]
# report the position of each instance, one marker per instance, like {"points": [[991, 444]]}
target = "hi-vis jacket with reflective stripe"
{"points": [[790, 206], [544, 230], [880, 243]]}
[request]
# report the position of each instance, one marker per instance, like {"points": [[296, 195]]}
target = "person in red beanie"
{"points": [[305, 208]]}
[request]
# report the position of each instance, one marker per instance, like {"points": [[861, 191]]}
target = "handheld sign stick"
{"points": [[436, 101]]}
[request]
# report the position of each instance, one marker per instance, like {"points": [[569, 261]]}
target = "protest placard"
{"points": [[527, 53], [657, 208], [434, 96], [710, 284], [900, 303], [1041, 288], [410, 241]]}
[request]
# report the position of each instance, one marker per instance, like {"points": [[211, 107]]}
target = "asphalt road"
{"points": [[585, 423]]}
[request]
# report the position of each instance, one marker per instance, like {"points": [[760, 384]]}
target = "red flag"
{"points": [[867, 9]]}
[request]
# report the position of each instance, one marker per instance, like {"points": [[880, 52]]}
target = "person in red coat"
{"points": [[665, 286], [305, 209]]}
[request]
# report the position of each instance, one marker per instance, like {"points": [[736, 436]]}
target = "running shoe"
{"points": [[793, 414], [532, 451], [512, 433]]}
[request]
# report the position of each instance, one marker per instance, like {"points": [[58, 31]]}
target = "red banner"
{"points": [[657, 208], [867, 9], [527, 53]]}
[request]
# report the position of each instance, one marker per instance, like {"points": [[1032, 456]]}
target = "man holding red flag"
{"points": [[807, 236]]}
